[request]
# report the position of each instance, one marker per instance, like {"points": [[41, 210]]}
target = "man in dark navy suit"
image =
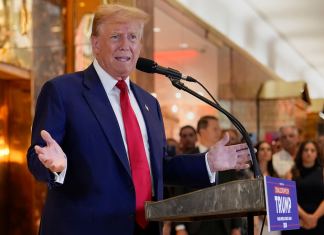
{"points": [[98, 140]]}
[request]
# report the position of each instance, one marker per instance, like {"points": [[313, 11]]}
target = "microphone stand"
{"points": [[256, 169], [180, 85]]}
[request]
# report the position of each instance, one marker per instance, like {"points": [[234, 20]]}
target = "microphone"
{"points": [[149, 66]]}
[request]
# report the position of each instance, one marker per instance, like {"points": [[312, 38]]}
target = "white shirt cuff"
{"points": [[59, 178], [212, 175]]}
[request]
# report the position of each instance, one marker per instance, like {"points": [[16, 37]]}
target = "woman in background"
{"points": [[264, 158], [308, 174]]}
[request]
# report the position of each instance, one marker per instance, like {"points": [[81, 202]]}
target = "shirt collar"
{"points": [[202, 148], [106, 79]]}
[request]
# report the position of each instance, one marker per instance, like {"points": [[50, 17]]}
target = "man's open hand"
{"points": [[221, 157], [51, 155]]}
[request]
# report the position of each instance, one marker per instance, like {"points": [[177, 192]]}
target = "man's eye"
{"points": [[133, 37], [114, 37]]}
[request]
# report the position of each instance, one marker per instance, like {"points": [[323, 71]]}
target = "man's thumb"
{"points": [[223, 141], [47, 137]]}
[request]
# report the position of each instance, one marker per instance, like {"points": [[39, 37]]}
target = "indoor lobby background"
{"points": [[250, 54]]}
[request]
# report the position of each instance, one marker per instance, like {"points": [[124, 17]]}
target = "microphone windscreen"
{"points": [[146, 65]]}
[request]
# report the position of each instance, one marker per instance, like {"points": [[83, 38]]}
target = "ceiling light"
{"points": [[178, 95], [183, 45], [174, 108], [156, 29], [190, 115]]}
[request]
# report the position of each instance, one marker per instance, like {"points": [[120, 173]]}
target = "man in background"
{"points": [[283, 161], [209, 132], [188, 140]]}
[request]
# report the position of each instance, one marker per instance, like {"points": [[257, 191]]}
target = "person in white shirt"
{"points": [[283, 161]]}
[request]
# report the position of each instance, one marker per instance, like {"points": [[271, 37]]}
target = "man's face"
{"points": [[211, 134], [117, 47], [289, 138], [188, 138]]}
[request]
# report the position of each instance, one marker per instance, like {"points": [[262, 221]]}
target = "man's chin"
{"points": [[124, 75], [123, 71]]}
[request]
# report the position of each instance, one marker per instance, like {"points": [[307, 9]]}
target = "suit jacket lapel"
{"points": [[98, 101]]}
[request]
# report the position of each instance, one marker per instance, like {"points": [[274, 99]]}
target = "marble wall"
{"points": [[48, 42]]}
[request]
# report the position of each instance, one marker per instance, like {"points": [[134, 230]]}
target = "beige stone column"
{"points": [[48, 43]]}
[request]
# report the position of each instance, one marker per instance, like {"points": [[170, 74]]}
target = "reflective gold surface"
{"points": [[16, 184], [15, 32]]}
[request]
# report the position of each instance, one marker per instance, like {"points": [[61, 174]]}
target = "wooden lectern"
{"points": [[233, 199]]}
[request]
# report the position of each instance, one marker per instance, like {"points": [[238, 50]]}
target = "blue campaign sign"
{"points": [[281, 202]]}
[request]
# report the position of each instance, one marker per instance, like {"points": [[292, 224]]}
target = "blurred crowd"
{"points": [[289, 156]]}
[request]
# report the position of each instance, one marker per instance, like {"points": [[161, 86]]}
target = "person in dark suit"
{"points": [[98, 140], [188, 140]]}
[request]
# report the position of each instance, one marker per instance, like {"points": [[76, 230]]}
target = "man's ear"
{"points": [[94, 43]]}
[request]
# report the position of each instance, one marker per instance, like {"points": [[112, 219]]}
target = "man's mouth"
{"points": [[123, 58]]}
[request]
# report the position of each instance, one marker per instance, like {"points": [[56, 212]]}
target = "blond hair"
{"points": [[116, 13]]}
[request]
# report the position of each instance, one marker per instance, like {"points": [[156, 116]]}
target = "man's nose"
{"points": [[124, 43]]}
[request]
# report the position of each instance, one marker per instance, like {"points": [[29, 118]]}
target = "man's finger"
{"points": [[42, 157], [242, 145], [38, 149], [242, 166], [47, 137], [49, 161], [243, 158]]}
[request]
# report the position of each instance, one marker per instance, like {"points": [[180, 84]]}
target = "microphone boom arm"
{"points": [[180, 85]]}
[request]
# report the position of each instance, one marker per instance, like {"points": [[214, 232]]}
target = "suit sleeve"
{"points": [[188, 170], [49, 116]]}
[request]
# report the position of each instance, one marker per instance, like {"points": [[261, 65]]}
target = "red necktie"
{"points": [[137, 156]]}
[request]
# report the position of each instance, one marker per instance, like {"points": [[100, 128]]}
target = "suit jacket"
{"points": [[98, 195]]}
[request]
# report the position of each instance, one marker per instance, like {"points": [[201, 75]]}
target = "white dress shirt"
{"points": [[282, 163]]}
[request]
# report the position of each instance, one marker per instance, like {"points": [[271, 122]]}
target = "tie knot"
{"points": [[121, 84]]}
